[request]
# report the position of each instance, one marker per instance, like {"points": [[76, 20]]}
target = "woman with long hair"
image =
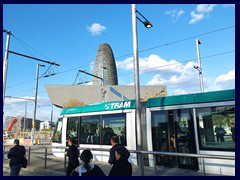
{"points": [[87, 169]]}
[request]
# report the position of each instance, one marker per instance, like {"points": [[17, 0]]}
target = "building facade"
{"points": [[104, 66]]}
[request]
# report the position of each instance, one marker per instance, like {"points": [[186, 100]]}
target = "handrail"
{"points": [[30, 147], [145, 152]]}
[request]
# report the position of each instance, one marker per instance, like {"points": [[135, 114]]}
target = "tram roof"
{"points": [[214, 96]]}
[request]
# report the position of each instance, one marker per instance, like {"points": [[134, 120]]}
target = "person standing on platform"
{"points": [[115, 145], [121, 167], [72, 154], [16, 155], [87, 169]]}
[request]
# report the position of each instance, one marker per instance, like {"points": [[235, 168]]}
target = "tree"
{"points": [[153, 95], [73, 102]]}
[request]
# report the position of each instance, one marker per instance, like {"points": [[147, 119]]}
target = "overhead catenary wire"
{"points": [[180, 40], [162, 66], [166, 44], [23, 45]]}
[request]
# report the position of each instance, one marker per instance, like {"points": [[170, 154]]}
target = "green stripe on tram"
{"points": [[215, 96], [106, 106], [225, 95]]}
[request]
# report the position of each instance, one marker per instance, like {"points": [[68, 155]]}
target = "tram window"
{"points": [[89, 133], [114, 125], [159, 131], [57, 135], [216, 127], [72, 128], [185, 135]]}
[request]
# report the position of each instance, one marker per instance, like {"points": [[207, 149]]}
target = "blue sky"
{"points": [[70, 36]]}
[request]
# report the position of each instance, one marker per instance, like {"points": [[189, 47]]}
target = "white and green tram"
{"points": [[183, 124], [92, 126]]}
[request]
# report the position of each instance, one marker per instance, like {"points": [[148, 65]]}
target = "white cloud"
{"points": [[201, 12], [195, 17], [175, 14], [17, 107], [222, 82], [150, 64], [127, 64], [205, 8], [96, 29], [225, 77], [179, 78]]}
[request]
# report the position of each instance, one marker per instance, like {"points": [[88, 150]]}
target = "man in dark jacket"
{"points": [[115, 145], [16, 155], [121, 167], [73, 155]]}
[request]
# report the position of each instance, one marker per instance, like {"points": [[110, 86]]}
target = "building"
{"points": [[105, 85], [105, 66], [46, 125], [17, 124]]}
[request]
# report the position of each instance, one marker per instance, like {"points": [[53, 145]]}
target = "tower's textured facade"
{"points": [[105, 58]]}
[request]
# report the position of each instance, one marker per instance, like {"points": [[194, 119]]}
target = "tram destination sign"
{"points": [[118, 105]]}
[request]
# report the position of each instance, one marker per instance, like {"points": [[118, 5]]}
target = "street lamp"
{"points": [[5, 65], [199, 68], [35, 104], [147, 24]]}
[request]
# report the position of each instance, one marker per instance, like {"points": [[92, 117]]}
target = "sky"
{"points": [[70, 34]]}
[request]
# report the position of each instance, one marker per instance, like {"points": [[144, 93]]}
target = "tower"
{"points": [[105, 66]]}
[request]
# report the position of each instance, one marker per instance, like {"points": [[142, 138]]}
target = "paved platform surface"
{"points": [[55, 167]]}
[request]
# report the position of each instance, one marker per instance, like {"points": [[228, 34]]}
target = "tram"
{"points": [[201, 123]]}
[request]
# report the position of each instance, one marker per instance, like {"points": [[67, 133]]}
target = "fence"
{"points": [[154, 153]]}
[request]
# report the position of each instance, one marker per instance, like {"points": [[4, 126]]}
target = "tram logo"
{"points": [[118, 105]]}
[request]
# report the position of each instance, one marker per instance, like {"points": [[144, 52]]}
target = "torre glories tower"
{"points": [[105, 66]]}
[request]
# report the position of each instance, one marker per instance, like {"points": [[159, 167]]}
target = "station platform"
{"points": [[55, 167]]}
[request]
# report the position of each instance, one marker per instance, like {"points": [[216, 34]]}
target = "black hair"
{"points": [[114, 139], [86, 157], [16, 141], [122, 152], [72, 140]]}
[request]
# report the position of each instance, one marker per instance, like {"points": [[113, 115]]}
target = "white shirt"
{"points": [[81, 169]]}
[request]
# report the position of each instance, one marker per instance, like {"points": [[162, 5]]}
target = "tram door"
{"points": [[172, 131], [160, 136], [184, 137]]}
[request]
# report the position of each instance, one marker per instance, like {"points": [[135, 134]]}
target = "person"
{"points": [[121, 167], [220, 132], [73, 133], [73, 155], [172, 143], [87, 169], [107, 134], [16, 155], [96, 137], [114, 142]]}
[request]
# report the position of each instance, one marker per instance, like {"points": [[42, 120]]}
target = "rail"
{"points": [[154, 153]]}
